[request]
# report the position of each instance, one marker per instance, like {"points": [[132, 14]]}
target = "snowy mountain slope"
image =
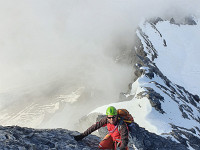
{"points": [[31, 115], [164, 98], [178, 52], [167, 81], [38, 111]]}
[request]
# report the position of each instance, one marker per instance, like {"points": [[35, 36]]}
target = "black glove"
{"points": [[79, 137]]}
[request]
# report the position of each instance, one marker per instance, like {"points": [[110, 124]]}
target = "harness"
{"points": [[113, 129], [116, 134]]}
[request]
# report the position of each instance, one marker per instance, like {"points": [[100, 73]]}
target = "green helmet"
{"points": [[111, 111]]}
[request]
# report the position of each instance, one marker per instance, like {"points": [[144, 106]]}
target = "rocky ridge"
{"points": [[22, 138]]}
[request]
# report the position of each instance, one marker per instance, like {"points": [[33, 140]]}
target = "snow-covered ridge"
{"points": [[172, 95]]}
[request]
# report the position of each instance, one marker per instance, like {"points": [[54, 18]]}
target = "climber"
{"points": [[117, 128]]}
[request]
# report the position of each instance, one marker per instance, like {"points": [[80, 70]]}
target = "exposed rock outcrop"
{"points": [[15, 138]]}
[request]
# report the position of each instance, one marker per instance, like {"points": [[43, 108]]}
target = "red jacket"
{"points": [[119, 131], [114, 132]]}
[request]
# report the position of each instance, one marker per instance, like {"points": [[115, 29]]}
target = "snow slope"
{"points": [[179, 60]]}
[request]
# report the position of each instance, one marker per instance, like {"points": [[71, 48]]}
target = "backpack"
{"points": [[125, 116]]}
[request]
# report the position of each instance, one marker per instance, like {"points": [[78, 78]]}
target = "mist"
{"points": [[51, 49]]}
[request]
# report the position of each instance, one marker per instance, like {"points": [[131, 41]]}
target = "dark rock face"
{"points": [[155, 20], [14, 137], [190, 20], [172, 21], [178, 133], [153, 97], [145, 140], [196, 98]]}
